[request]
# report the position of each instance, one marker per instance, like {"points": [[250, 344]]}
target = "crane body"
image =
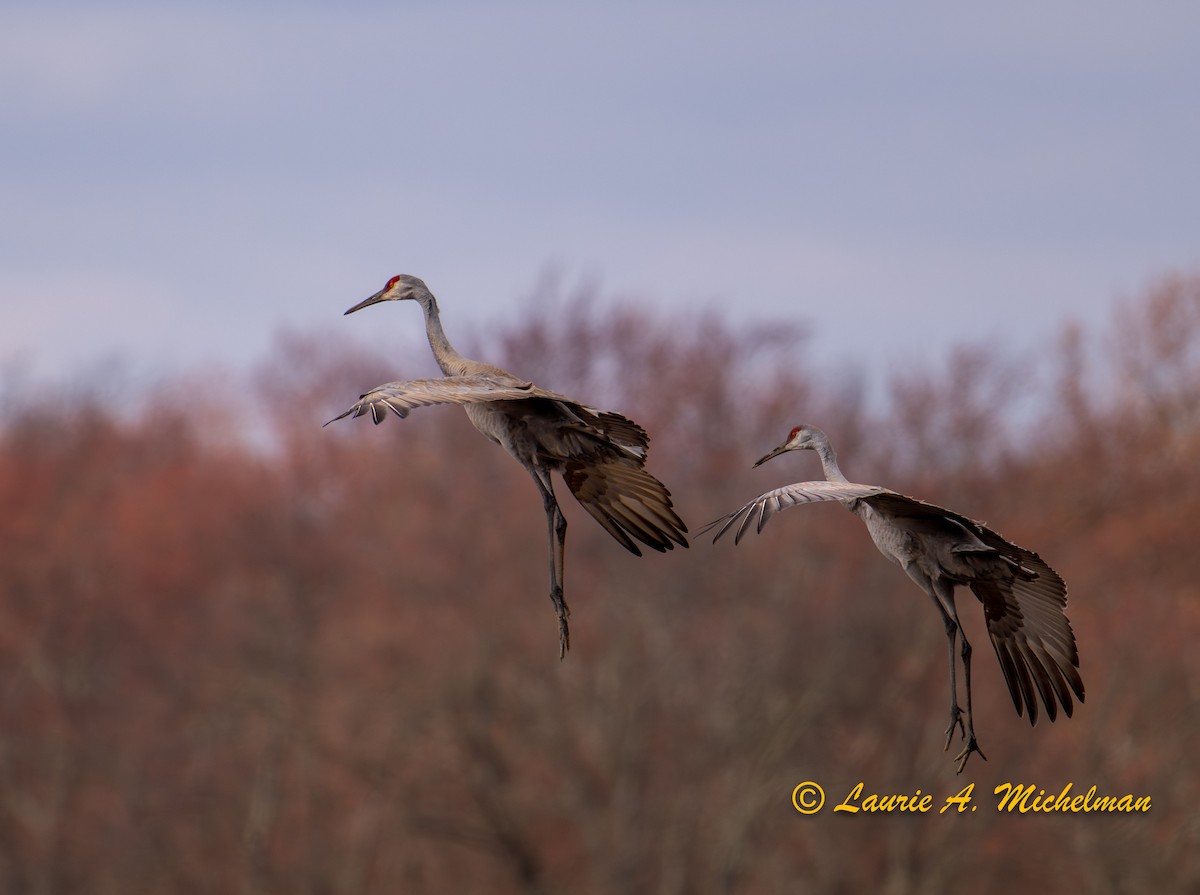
{"points": [[599, 454], [1024, 600]]}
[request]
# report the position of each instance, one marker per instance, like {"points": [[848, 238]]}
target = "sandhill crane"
{"points": [[1023, 598], [599, 454]]}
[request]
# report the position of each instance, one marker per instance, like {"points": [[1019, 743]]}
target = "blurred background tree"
{"points": [[241, 653]]}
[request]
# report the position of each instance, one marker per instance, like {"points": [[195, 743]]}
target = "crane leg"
{"points": [[943, 594], [556, 527], [972, 744]]}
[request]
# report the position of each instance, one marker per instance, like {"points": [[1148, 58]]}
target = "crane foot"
{"points": [[967, 729], [956, 720], [971, 746], [564, 629], [564, 637]]}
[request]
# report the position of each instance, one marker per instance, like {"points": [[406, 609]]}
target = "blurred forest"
{"points": [[242, 653]]}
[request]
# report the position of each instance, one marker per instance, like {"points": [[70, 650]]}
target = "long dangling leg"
{"points": [[945, 599], [952, 632], [556, 526]]}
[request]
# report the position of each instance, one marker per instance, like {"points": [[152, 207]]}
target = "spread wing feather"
{"points": [[402, 396], [626, 500], [1029, 630], [763, 507]]}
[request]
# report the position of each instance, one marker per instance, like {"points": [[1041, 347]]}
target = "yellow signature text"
{"points": [[899, 804], [1027, 799]]}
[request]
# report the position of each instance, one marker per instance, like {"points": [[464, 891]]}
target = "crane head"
{"points": [[400, 287], [802, 438]]}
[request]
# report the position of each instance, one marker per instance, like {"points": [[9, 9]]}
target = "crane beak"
{"points": [[374, 299], [775, 453]]}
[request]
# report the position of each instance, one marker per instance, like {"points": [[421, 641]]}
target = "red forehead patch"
{"points": [[793, 433], [391, 282]]}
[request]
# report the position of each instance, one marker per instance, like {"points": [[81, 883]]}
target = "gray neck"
{"points": [[447, 358], [829, 460]]}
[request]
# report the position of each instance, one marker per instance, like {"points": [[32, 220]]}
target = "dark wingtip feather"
{"points": [[709, 526], [340, 416]]}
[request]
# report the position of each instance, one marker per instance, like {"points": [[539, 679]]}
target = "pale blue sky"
{"points": [[179, 180]]}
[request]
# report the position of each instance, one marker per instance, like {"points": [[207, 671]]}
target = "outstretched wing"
{"points": [[626, 500], [599, 453], [1028, 627], [1026, 616], [621, 430], [401, 397], [763, 507]]}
